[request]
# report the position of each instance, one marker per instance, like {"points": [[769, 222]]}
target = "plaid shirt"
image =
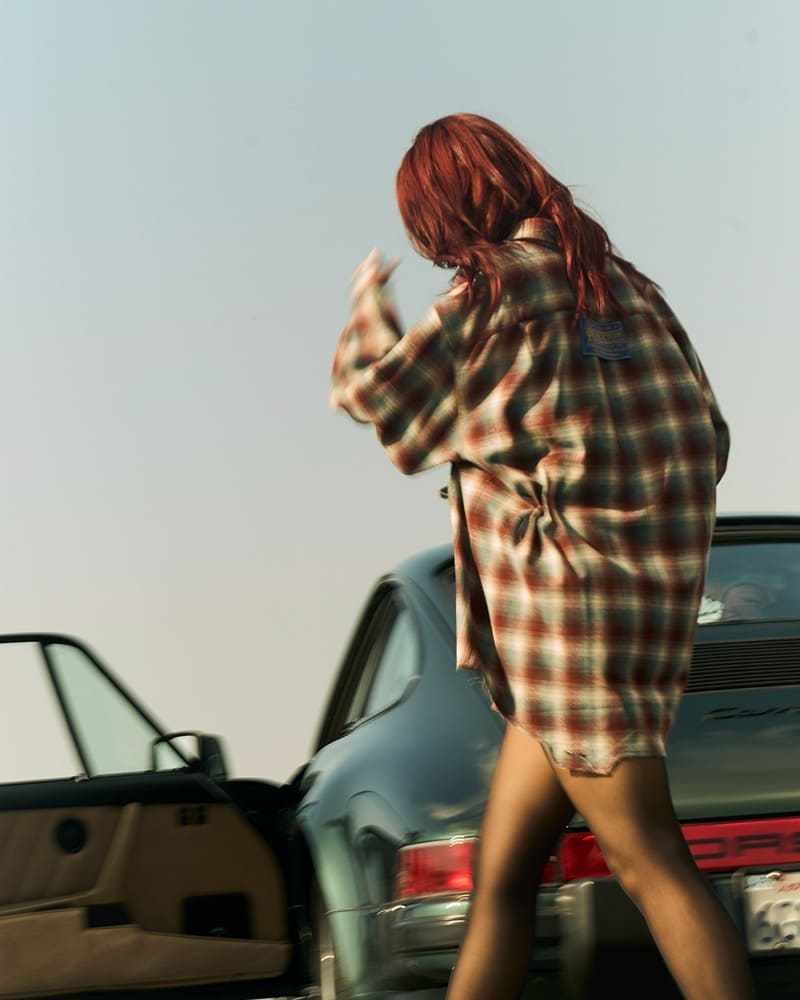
{"points": [[584, 463]]}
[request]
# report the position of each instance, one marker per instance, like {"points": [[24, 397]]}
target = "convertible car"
{"points": [[144, 870]]}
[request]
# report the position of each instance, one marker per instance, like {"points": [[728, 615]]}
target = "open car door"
{"points": [[129, 864]]}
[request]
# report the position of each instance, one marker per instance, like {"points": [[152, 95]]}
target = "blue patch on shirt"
{"points": [[603, 339]]}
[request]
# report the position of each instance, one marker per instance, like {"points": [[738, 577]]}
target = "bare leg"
{"points": [[632, 817], [526, 813]]}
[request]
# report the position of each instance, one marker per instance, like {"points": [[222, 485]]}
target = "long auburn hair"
{"points": [[466, 183]]}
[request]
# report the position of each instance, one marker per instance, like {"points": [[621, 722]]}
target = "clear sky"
{"points": [[185, 189]]}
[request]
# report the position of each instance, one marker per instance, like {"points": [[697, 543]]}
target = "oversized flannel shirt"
{"points": [[584, 462]]}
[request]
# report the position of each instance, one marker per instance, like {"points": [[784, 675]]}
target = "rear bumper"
{"points": [[606, 948], [420, 940]]}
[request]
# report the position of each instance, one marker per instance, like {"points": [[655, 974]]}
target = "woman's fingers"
{"points": [[387, 270], [373, 270], [365, 273]]}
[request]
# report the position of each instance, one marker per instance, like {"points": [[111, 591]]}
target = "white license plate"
{"points": [[771, 910]]}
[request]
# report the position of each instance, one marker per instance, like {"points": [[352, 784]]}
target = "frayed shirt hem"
{"points": [[600, 762]]}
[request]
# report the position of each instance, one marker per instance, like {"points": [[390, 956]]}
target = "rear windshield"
{"points": [[752, 581], [745, 582]]}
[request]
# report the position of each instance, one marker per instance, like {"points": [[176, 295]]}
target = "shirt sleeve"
{"points": [[681, 337], [402, 384]]}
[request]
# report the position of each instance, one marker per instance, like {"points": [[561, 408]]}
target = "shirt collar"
{"points": [[535, 228]]}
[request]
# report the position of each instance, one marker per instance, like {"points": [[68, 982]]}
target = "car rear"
{"points": [[734, 762]]}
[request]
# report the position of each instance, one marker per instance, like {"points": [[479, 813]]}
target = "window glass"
{"points": [[398, 662], [752, 581], [34, 737], [114, 735]]}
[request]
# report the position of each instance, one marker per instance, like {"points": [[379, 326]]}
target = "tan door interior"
{"points": [[140, 895]]}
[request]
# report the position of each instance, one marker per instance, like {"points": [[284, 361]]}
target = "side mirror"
{"points": [[191, 750]]}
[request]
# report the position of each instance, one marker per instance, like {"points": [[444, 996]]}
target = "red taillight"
{"points": [[742, 843], [579, 856], [424, 869], [445, 866], [716, 847]]}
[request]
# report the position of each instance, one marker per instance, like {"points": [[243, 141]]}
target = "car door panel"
{"points": [[38, 863], [137, 895], [142, 881], [80, 958]]}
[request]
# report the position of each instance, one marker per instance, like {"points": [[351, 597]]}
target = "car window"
{"points": [[752, 581], [34, 739], [397, 664], [113, 735], [389, 658]]}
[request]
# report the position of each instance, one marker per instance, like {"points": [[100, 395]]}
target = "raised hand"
{"points": [[372, 272]]}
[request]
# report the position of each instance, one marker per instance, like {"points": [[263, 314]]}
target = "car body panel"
{"points": [[353, 832], [735, 754]]}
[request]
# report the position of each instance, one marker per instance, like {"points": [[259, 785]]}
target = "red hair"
{"points": [[466, 183]]}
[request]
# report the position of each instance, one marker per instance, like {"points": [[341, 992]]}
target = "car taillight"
{"points": [[441, 866], [716, 847], [579, 856], [445, 866]]}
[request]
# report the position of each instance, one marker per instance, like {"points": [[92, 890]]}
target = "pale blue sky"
{"points": [[186, 187]]}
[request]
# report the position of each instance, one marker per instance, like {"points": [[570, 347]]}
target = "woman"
{"points": [[585, 446]]}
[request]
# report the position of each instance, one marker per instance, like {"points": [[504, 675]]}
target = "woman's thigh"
{"points": [[525, 814], [630, 812]]}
